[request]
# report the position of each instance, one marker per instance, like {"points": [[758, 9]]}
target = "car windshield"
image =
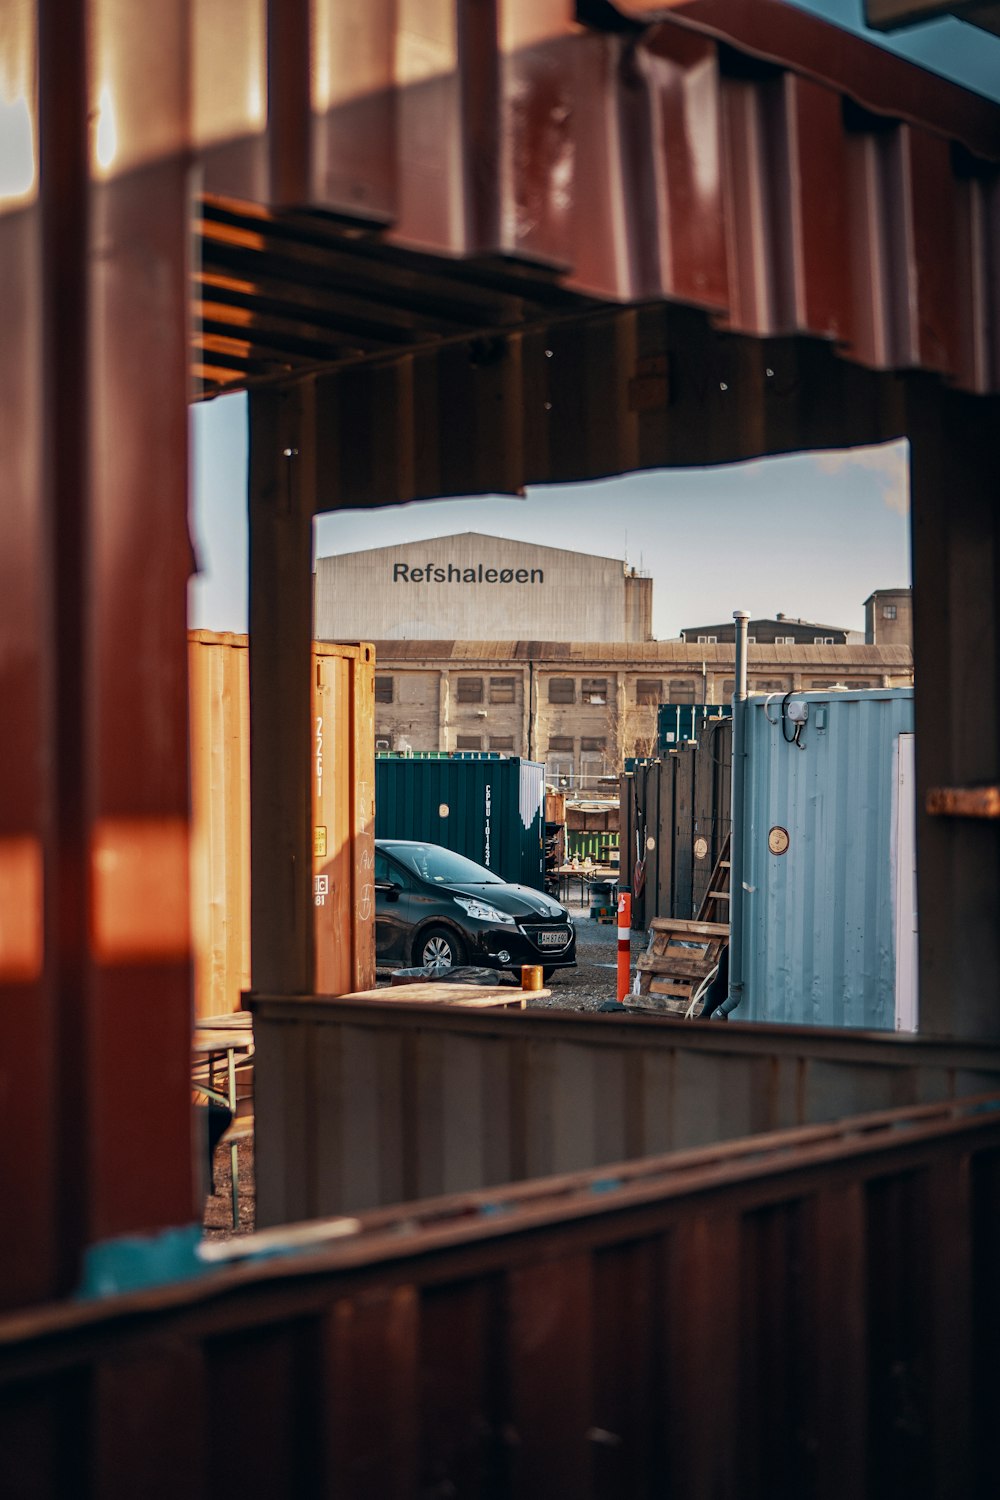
{"points": [[441, 866]]}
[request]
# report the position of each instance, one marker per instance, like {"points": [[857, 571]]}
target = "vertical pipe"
{"points": [[735, 995]]}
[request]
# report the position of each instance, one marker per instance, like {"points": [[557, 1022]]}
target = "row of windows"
{"points": [[779, 640], [504, 742], [500, 742], [593, 690], [563, 744], [467, 689]]}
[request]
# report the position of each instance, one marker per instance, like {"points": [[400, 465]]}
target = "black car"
{"points": [[435, 907]]}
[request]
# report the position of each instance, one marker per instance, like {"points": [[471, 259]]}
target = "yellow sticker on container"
{"points": [[319, 843]]}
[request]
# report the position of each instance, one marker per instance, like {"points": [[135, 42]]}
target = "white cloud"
{"points": [[889, 463]]}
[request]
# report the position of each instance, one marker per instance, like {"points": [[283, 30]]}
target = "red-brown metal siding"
{"points": [[807, 1316], [569, 163], [746, 159], [94, 1091]]}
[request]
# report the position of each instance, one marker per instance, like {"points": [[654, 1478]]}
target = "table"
{"points": [[569, 873], [223, 1039], [469, 996]]}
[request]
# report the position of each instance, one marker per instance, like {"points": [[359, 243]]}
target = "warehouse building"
{"points": [[477, 587], [485, 644], [580, 706]]}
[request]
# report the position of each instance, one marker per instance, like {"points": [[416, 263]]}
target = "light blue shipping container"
{"points": [[824, 921]]}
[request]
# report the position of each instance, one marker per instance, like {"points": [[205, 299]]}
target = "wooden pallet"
{"points": [[715, 904], [679, 958]]}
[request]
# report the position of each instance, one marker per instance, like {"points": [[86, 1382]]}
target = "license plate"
{"points": [[552, 939]]}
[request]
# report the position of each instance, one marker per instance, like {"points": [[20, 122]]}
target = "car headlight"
{"points": [[482, 911]]}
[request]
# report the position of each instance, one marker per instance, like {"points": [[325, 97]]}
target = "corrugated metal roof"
{"points": [[644, 653], [742, 158]]}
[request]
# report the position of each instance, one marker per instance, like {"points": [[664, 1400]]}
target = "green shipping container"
{"points": [[492, 811]]}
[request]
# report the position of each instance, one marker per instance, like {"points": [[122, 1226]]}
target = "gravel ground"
{"points": [[594, 980]]}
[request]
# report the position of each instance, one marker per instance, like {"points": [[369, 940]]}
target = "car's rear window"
{"points": [[441, 866]]}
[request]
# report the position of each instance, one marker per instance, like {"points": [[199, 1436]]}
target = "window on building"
{"points": [[728, 688], [469, 689], [682, 692], [594, 690], [888, 611], [751, 640], [784, 640], [708, 640], [594, 742], [469, 742], [768, 685], [649, 690], [562, 689], [502, 689], [560, 771], [823, 640], [560, 743], [591, 772], [502, 742], [383, 689], [383, 742], [823, 684]]}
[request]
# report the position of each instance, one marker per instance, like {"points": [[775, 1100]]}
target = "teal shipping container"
{"points": [[492, 811], [829, 889], [678, 722]]}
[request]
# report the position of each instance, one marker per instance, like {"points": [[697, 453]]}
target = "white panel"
{"points": [[905, 861]]}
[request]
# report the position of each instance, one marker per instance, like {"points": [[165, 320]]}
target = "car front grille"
{"points": [[549, 939]]}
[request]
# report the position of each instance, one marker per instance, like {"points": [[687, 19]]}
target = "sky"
{"points": [[809, 535]]}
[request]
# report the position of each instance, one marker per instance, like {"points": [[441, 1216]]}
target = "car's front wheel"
{"points": [[439, 948]]}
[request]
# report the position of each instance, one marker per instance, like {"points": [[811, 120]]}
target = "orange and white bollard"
{"points": [[624, 944]]}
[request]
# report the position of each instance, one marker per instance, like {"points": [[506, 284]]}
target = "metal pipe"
{"points": [[735, 995]]}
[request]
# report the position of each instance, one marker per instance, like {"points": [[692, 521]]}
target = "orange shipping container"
{"points": [[343, 817]]}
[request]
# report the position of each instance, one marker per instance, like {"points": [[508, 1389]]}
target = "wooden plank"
{"points": [[677, 968], [695, 929], [474, 996]]}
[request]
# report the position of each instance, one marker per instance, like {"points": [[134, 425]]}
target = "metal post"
{"points": [[736, 839], [624, 943], [282, 503]]}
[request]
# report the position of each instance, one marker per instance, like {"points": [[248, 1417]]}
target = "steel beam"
{"points": [[282, 502]]}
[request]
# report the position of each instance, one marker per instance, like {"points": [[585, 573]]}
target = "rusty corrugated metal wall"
{"points": [[808, 1316], [510, 159], [94, 378], [377, 1103]]}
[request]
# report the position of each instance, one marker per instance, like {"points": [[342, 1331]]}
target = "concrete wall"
{"points": [[478, 587], [881, 630]]}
